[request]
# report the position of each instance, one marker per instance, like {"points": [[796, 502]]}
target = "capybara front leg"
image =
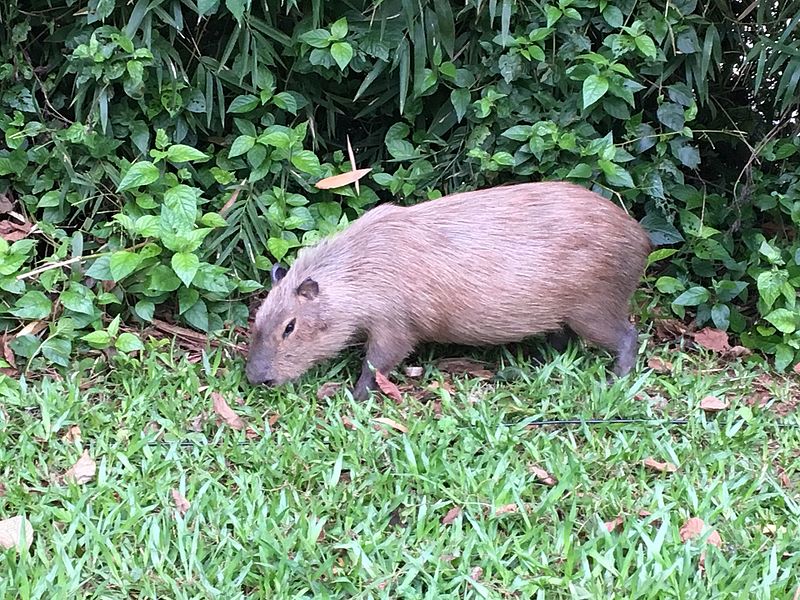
{"points": [[384, 351]]}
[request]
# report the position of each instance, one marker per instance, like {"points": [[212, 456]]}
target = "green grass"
{"points": [[314, 509]]}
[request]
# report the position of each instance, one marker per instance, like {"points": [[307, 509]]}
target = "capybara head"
{"points": [[287, 328]]}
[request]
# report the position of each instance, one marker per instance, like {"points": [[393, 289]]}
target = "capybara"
{"points": [[478, 268]]}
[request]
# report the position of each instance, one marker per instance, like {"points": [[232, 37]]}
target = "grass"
{"points": [[325, 507]]}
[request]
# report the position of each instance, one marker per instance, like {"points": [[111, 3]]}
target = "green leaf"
{"points": [[460, 99], [727, 290], [57, 350], [123, 263], [206, 6], [145, 310], [769, 285], [553, 15], [99, 269], [519, 133], [669, 285], [241, 145], [580, 171], [616, 175], [317, 38], [339, 29], [180, 207], [594, 88], [784, 320], [342, 53], [721, 315], [237, 8], [306, 161], [128, 342], [161, 278], [78, 299], [646, 45], [671, 115], [286, 101], [613, 16], [185, 265], [212, 219], [197, 316], [179, 153], [243, 104], [113, 327], [140, 173], [33, 305], [692, 297], [278, 247], [784, 356], [277, 139], [98, 339]]}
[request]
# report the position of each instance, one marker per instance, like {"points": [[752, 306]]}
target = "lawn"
{"points": [[455, 495]]}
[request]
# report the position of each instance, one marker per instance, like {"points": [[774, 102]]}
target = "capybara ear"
{"points": [[308, 289], [277, 273]]}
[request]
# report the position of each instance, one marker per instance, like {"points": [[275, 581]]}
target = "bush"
{"points": [[160, 157]]}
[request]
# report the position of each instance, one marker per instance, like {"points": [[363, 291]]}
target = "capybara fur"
{"points": [[478, 268]]}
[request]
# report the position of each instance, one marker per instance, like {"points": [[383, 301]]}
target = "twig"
{"points": [[69, 261]]}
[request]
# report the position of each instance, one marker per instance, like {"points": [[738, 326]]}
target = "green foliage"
{"points": [[167, 156]]}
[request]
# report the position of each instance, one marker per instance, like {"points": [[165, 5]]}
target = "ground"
{"points": [[451, 494]]}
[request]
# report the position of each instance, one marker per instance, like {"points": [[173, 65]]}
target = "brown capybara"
{"points": [[477, 268]]}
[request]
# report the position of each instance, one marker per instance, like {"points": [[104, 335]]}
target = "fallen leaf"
{"points": [[611, 526], [197, 422], [393, 424], [476, 573], [542, 475], [328, 389], [347, 423], [181, 503], [662, 467], [273, 419], [337, 181], [6, 205], [73, 434], [414, 371], [388, 388], [451, 515], [227, 206], [12, 531], [7, 352], [465, 365], [769, 529], [694, 527], [713, 404], [712, 339], [82, 471], [226, 412], [448, 557], [506, 508], [796, 368], [2, 489], [669, 329], [658, 365], [12, 231]]}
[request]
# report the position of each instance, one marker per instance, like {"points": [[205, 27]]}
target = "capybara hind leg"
{"points": [[384, 353], [559, 339], [616, 336]]}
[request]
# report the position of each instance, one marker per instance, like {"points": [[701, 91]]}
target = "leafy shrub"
{"points": [[160, 158]]}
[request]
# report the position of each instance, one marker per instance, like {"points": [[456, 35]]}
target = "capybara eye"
{"points": [[289, 329]]}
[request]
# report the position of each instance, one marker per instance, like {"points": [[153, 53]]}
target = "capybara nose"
{"points": [[257, 376]]}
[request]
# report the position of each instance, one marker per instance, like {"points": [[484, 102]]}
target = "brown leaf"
{"points": [[393, 424], [227, 206], [6, 205], [328, 389], [451, 515], [713, 404], [82, 471], [712, 339], [505, 509], [658, 365], [465, 365], [783, 478], [337, 181], [414, 372], [694, 528], [347, 423], [197, 422], [73, 434], [181, 503], [796, 368], [226, 412], [611, 526], [7, 352], [542, 475], [12, 231], [662, 467], [273, 419], [388, 388], [2, 489], [669, 329], [12, 530], [476, 573]]}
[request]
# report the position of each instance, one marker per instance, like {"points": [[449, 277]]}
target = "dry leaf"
{"points": [[6, 205], [388, 388], [226, 412], [542, 475], [476, 574], [694, 527], [82, 471], [669, 329], [662, 467], [227, 206], [73, 434], [414, 371], [347, 423], [465, 365], [196, 424], [12, 232], [713, 404], [505, 509], [796, 368], [328, 389], [181, 503], [783, 478], [2, 489], [712, 339], [393, 424], [12, 531], [658, 365], [7, 353], [451, 515], [337, 181], [611, 526], [273, 419]]}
